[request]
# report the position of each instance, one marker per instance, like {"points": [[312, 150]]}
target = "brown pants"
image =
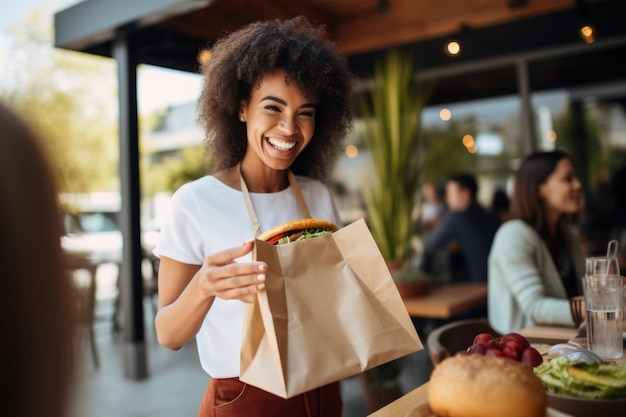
{"points": [[229, 397]]}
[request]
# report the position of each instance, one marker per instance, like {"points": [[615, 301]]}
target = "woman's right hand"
{"points": [[221, 276], [187, 292]]}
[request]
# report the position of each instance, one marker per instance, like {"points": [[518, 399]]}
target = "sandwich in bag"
{"points": [[330, 309], [297, 230]]}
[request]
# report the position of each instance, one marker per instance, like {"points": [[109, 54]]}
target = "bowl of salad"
{"points": [[584, 388]]}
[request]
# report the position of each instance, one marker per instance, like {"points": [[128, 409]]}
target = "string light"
{"points": [[204, 56], [453, 46], [587, 33], [468, 141], [352, 151]]}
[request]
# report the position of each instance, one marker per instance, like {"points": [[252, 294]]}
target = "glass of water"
{"points": [[602, 289], [602, 266]]}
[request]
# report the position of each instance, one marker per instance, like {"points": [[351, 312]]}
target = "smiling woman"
{"points": [[276, 98], [535, 260], [279, 115], [317, 74]]}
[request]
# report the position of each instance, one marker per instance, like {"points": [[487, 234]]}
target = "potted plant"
{"points": [[391, 112]]}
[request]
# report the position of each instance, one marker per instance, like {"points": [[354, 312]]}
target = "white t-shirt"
{"points": [[207, 216]]}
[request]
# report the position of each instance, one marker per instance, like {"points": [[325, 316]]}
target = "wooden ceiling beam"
{"points": [[411, 21], [356, 25]]}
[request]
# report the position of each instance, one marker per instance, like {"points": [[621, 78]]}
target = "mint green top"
{"points": [[525, 287]]}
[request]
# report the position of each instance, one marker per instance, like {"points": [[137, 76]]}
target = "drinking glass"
{"points": [[604, 314], [602, 266]]}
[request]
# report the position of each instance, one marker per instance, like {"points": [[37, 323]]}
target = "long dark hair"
{"points": [[525, 202]]}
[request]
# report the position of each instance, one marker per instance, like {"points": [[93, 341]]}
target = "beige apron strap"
{"points": [[256, 225], [296, 191]]}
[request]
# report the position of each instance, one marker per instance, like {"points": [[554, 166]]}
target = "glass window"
{"points": [[590, 127], [71, 224], [481, 137], [474, 123], [590, 124], [97, 223]]}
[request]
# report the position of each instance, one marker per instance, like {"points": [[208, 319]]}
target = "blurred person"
{"points": [[277, 97], [535, 262], [500, 204], [467, 226], [433, 208], [38, 322]]}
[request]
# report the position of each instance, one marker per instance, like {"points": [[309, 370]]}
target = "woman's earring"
{"points": [[241, 118]]}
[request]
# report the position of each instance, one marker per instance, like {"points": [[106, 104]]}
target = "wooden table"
{"points": [[549, 334], [447, 301], [412, 404], [415, 404], [554, 334]]}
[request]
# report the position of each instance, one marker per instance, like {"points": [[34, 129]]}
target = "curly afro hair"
{"points": [[238, 63]]}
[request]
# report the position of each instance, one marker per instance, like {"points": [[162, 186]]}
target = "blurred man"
{"points": [[467, 226]]}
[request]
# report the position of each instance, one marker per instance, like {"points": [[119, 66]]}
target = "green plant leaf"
{"points": [[392, 119]]}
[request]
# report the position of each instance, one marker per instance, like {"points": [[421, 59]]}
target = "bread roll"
{"points": [[471, 385]]}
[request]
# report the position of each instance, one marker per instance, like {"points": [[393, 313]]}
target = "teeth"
{"points": [[281, 145]]}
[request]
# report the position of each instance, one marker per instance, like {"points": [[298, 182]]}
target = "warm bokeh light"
{"points": [[445, 115], [588, 34], [204, 56], [351, 151], [473, 148], [551, 135], [453, 47], [468, 141]]}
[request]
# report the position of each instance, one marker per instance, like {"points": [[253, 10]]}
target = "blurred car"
{"points": [[92, 231], [94, 236]]}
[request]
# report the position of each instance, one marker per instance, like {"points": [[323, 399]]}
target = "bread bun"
{"points": [[295, 226], [470, 385]]}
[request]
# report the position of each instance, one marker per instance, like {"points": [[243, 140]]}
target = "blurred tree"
{"points": [[69, 99], [580, 133], [169, 173], [444, 152]]}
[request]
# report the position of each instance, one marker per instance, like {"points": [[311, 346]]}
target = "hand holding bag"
{"points": [[330, 310]]}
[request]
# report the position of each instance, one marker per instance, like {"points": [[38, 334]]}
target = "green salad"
{"points": [[306, 234], [583, 379]]}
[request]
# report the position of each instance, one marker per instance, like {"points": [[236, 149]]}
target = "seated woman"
{"points": [[535, 263]]}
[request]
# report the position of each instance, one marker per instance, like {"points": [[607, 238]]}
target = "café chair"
{"points": [[151, 283], [150, 287], [82, 273], [447, 340]]}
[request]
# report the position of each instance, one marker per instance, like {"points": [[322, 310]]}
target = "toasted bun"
{"points": [[472, 385], [296, 226]]}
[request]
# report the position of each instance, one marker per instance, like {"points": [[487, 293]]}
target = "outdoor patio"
{"points": [[176, 381]]}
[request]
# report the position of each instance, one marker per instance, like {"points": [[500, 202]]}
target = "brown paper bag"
{"points": [[330, 310]]}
